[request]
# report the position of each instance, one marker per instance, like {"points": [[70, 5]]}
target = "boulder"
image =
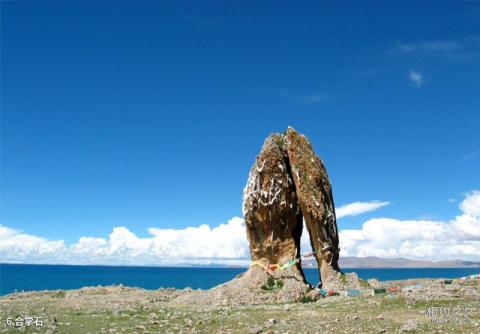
{"points": [[314, 294]]}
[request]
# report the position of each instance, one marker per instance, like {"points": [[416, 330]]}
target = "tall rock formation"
{"points": [[270, 207], [289, 183], [315, 198]]}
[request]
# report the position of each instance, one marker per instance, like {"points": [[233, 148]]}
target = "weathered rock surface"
{"points": [[315, 198], [271, 211]]}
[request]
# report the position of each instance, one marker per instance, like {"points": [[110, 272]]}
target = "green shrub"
{"points": [[272, 284], [306, 299], [280, 141], [363, 283], [60, 294]]}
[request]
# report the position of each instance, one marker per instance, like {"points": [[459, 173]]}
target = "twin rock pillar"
{"points": [[288, 183]]}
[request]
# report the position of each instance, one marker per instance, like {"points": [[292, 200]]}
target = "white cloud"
{"points": [[224, 244], [427, 239], [356, 208], [416, 78], [15, 246], [352, 209], [224, 241], [227, 243]]}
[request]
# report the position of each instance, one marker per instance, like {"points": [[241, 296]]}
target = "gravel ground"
{"points": [[420, 306]]}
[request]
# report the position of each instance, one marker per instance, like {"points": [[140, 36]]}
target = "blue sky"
{"points": [[151, 114]]}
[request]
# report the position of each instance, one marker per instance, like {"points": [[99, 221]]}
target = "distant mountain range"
{"points": [[377, 262]]}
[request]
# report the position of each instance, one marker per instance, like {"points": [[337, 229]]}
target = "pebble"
{"points": [[409, 326], [255, 330]]}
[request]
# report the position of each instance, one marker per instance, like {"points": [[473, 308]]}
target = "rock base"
{"points": [[255, 286]]}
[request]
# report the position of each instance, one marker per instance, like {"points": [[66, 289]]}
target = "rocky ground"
{"points": [[422, 306]]}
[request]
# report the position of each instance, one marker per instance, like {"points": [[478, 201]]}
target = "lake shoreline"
{"points": [[53, 277]]}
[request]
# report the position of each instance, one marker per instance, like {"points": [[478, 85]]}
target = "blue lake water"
{"points": [[18, 277]]}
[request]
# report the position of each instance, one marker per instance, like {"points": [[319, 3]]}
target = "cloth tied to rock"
{"points": [[289, 263]]}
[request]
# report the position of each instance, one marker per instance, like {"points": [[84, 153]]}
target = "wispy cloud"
{"points": [[432, 46], [307, 99], [471, 156], [462, 49], [416, 78], [357, 208]]}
